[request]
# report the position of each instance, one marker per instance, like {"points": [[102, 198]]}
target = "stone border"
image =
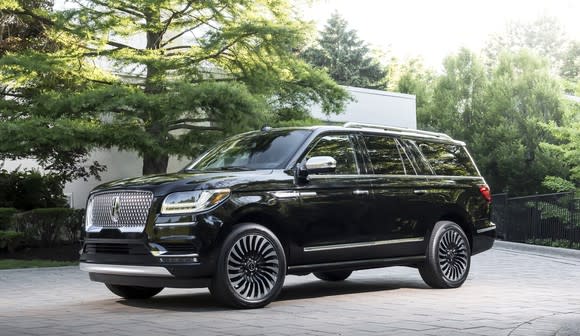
{"points": [[539, 249]]}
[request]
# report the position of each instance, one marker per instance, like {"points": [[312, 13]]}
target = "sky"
{"points": [[434, 29]]}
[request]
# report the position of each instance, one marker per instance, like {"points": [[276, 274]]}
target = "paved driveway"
{"points": [[510, 291]]}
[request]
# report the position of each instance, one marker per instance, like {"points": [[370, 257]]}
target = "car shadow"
{"points": [[204, 302]]}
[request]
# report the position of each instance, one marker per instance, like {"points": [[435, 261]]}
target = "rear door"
{"points": [[396, 208]]}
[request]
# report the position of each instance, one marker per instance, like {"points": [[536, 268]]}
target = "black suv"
{"points": [[325, 199]]}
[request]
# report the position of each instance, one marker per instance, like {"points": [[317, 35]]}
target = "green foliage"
{"points": [[6, 215], [11, 240], [205, 70], [555, 243], [499, 112], [345, 57], [570, 69], [544, 36], [415, 79], [558, 184], [50, 225], [25, 190], [18, 263]]}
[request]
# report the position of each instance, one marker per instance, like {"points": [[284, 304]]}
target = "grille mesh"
{"points": [[132, 211]]}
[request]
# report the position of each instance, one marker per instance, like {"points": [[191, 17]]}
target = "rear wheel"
{"points": [[333, 275], [251, 268], [448, 257], [134, 292]]}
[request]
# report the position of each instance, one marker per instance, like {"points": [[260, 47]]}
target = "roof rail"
{"points": [[397, 129]]}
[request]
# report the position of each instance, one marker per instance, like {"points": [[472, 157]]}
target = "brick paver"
{"points": [[509, 292]]}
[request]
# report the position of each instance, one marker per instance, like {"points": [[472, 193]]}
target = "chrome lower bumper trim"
{"points": [[154, 271], [179, 224], [490, 228]]}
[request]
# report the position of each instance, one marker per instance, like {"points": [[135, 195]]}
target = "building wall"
{"points": [[369, 106], [377, 107]]}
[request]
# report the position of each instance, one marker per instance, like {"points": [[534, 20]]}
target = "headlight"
{"points": [[89, 215], [193, 201]]}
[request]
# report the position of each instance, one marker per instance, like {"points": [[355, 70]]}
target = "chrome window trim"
{"points": [[155, 271], [363, 244]]}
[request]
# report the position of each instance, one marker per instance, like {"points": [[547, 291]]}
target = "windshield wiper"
{"points": [[234, 168]]}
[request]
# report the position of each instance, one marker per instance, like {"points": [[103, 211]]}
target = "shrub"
{"points": [[26, 190], [11, 240], [49, 225], [6, 215]]}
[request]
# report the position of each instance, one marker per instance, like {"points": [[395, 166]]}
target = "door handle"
{"points": [[360, 192], [419, 192]]}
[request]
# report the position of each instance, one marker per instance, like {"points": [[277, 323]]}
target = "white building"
{"points": [[369, 106]]}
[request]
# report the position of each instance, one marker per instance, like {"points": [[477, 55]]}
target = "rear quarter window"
{"points": [[447, 159]]}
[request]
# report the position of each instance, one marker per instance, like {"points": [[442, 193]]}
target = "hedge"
{"points": [[6, 215], [50, 225], [11, 240]]}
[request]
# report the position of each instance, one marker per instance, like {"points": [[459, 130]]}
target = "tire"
{"points": [[333, 275], [448, 257], [251, 268], [134, 292]]}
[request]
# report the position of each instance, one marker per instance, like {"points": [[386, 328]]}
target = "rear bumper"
{"points": [[483, 239]]}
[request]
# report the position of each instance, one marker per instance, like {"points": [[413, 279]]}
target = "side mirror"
{"points": [[320, 164]]}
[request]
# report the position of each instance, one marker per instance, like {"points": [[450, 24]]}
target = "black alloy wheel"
{"points": [[251, 268], [448, 256]]}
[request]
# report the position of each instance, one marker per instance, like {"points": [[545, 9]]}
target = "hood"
{"points": [[163, 184]]}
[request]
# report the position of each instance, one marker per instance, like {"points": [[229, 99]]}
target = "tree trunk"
{"points": [[155, 163]]}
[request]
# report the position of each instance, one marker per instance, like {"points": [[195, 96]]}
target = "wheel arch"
{"points": [[268, 219], [463, 222]]}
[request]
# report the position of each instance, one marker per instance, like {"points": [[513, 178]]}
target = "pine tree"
{"points": [[345, 57]]}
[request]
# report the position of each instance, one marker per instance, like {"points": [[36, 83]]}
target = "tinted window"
{"points": [[340, 148], [447, 159], [260, 150], [386, 155], [416, 158]]}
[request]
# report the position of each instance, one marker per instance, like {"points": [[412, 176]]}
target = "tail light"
{"points": [[485, 192]]}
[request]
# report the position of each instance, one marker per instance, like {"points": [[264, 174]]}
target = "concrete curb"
{"points": [[538, 249]]}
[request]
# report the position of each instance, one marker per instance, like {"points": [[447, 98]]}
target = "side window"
{"points": [[448, 159], [386, 155], [341, 149], [417, 159]]}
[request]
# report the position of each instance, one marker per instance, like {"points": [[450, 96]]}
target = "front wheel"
{"points": [[134, 292], [448, 257], [251, 268]]}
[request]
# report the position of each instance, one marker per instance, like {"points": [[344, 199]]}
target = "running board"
{"points": [[355, 264]]}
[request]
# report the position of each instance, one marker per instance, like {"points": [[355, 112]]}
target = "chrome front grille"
{"points": [[126, 210]]}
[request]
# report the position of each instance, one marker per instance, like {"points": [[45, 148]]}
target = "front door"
{"points": [[333, 205]]}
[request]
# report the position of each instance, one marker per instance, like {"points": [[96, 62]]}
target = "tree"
{"points": [[499, 112], [545, 36], [30, 35], [570, 70], [566, 149], [458, 102], [173, 76], [345, 57], [521, 95]]}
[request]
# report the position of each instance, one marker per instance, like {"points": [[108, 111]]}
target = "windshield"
{"points": [[263, 150]]}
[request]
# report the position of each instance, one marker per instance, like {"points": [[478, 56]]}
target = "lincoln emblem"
{"points": [[115, 207]]}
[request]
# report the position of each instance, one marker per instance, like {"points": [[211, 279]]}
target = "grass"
{"points": [[17, 263]]}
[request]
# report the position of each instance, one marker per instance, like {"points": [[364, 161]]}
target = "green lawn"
{"points": [[16, 263]]}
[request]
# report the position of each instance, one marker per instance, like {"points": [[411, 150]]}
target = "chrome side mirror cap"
{"points": [[320, 164]]}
